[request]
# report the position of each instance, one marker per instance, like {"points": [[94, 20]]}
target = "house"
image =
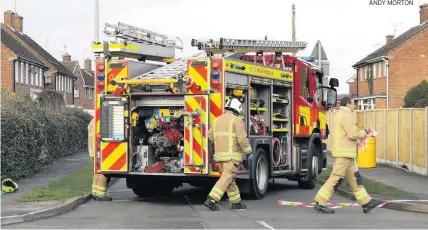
{"points": [[84, 84], [384, 76], [27, 67]]}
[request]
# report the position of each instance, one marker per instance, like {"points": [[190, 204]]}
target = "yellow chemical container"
{"points": [[367, 154]]}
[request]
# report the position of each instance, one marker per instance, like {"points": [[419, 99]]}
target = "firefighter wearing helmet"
{"points": [[230, 140], [99, 183]]}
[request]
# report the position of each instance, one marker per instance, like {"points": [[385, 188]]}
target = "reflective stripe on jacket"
{"points": [[91, 136], [229, 137], [344, 134]]}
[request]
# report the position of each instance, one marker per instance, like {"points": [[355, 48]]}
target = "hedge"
{"points": [[34, 134], [417, 96]]}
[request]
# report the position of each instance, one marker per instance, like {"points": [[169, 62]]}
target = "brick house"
{"points": [[84, 84], [396, 67], [27, 67]]}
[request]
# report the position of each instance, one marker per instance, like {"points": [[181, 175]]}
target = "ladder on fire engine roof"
{"points": [[138, 43], [174, 70], [225, 45], [178, 68]]}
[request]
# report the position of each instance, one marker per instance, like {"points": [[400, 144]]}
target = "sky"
{"points": [[348, 29]]}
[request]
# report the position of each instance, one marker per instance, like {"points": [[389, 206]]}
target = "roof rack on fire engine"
{"points": [[226, 45], [138, 43]]}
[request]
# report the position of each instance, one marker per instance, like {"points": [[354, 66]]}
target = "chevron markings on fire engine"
{"points": [[339, 205]]}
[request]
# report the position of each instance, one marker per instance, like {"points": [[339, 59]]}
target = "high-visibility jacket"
{"points": [[229, 137], [344, 134], [91, 136]]}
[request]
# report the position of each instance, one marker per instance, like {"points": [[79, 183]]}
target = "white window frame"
{"points": [[41, 77], [26, 73], [36, 76], [22, 72], [385, 70], [380, 69], [16, 72], [374, 70], [30, 72]]}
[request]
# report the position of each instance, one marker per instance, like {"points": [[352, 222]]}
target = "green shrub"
{"points": [[417, 96], [34, 134]]}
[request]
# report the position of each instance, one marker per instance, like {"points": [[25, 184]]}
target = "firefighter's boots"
{"points": [[323, 209]]}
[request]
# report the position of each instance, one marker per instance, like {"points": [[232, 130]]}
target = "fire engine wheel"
{"points": [[151, 189], [312, 173], [259, 174]]}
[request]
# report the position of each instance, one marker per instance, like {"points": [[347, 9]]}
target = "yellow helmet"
{"points": [[8, 185]]}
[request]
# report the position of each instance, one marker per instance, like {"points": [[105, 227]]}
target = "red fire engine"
{"points": [[152, 122]]}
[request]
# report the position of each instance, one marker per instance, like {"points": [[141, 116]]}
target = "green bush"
{"points": [[34, 134], [417, 96]]}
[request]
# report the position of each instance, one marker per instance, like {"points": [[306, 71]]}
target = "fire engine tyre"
{"points": [[312, 173], [259, 174]]}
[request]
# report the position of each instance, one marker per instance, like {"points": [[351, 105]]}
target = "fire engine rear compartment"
{"points": [[157, 135]]}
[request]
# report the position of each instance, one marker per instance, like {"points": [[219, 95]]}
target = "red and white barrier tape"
{"points": [[339, 205]]}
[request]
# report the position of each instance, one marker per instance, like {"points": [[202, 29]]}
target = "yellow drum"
{"points": [[367, 154]]}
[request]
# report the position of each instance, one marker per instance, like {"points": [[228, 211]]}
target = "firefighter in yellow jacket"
{"points": [[344, 136], [99, 184], [230, 141]]}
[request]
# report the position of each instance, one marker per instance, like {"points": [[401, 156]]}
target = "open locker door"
{"points": [[196, 134]]}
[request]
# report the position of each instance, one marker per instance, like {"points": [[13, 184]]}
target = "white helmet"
{"points": [[234, 104]]}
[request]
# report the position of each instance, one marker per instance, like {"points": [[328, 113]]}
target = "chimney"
{"points": [[389, 38], [8, 18], [88, 65], [423, 12], [66, 57]]}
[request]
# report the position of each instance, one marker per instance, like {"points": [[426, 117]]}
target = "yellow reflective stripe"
{"points": [[224, 134], [232, 193], [230, 135], [234, 198], [100, 188], [248, 150], [324, 194], [361, 193], [216, 194], [228, 153]]}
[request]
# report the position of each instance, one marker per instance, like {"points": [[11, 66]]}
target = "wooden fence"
{"points": [[402, 136]]}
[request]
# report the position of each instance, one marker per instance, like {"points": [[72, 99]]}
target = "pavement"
{"points": [[185, 210], [61, 167]]}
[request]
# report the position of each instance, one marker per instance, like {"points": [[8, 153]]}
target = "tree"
{"points": [[417, 96]]}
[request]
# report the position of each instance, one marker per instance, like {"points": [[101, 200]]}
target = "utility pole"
{"points": [[293, 24], [96, 23]]}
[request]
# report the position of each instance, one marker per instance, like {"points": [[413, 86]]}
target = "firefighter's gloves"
{"points": [[359, 178]]}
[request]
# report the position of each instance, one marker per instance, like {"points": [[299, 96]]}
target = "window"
{"points": [[36, 76], [319, 91], [30, 72], [385, 70], [76, 91], [304, 82], [16, 71], [22, 72], [26, 73], [361, 72], [380, 69], [89, 93], [40, 77], [366, 104], [374, 70]]}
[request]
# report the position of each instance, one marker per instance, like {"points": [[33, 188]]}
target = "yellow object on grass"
{"points": [[367, 154]]}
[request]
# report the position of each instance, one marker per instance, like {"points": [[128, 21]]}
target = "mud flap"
{"points": [[195, 134]]}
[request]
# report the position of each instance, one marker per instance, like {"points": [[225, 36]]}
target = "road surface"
{"points": [[185, 210]]}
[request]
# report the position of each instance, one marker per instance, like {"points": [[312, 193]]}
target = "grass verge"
{"points": [[372, 186], [76, 184]]}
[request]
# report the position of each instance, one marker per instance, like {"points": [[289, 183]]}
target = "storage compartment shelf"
{"points": [[279, 130], [260, 109], [280, 119], [279, 100]]}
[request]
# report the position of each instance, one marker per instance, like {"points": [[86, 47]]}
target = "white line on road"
{"points": [[265, 224]]}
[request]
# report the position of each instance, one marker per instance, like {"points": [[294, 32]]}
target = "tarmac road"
{"points": [[185, 210]]}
